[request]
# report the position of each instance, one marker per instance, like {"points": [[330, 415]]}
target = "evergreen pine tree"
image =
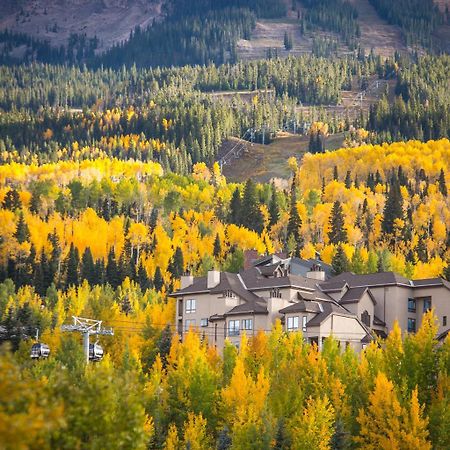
{"points": [[142, 278], [55, 259], [217, 247], [164, 343], [235, 207], [422, 250], [87, 271], [274, 210], [393, 207], [124, 267], [250, 213], [176, 266], [72, 263], [348, 180], [340, 261], [11, 200], [100, 272], [158, 281], [442, 183], [22, 232], [153, 220], [112, 270], [335, 174], [42, 275], [338, 233], [295, 222], [35, 202]]}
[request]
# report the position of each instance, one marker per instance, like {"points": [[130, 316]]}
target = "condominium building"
{"points": [[351, 308]]}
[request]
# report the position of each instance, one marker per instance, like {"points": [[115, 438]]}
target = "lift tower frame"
{"points": [[87, 327]]}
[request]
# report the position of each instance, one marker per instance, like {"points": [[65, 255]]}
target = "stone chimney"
{"points": [[316, 273], [213, 279], [186, 281]]}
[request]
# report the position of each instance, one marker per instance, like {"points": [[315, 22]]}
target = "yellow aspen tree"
{"points": [[313, 428], [195, 436], [172, 440], [386, 425]]}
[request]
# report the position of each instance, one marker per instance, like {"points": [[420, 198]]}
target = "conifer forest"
{"points": [[120, 179]]}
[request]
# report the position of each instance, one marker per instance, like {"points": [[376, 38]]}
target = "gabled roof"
{"points": [[232, 282], [333, 286], [431, 282], [248, 308], [354, 295], [372, 279], [199, 285], [328, 308], [302, 306], [268, 271], [299, 266], [253, 280], [269, 259]]}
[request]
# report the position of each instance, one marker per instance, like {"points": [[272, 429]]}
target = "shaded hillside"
{"points": [[55, 21]]}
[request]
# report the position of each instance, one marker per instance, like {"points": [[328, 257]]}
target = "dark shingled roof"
{"points": [[333, 286], [428, 282], [443, 335], [231, 282], [377, 321], [353, 295], [248, 308], [367, 339], [328, 308], [371, 279], [253, 280], [199, 285], [302, 306], [268, 271]]}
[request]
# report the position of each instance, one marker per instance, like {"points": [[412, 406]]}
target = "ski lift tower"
{"points": [[87, 327]]}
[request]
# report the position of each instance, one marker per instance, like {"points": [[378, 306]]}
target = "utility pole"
{"points": [[87, 327]]}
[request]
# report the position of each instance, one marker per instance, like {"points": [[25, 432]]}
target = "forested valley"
{"points": [[112, 187]]}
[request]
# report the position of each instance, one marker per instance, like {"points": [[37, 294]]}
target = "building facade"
{"points": [[351, 308]]}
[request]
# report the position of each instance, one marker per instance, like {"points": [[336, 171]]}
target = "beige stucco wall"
{"points": [[440, 302], [392, 304], [364, 304]]}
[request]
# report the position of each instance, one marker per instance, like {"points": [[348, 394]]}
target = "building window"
{"points": [[247, 324], [444, 321], [228, 294], [233, 328], [365, 318], [203, 322], [411, 325], [411, 305], [190, 306], [189, 323], [292, 323], [304, 320], [275, 293], [426, 304]]}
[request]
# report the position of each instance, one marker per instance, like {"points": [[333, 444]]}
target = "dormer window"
{"points": [[365, 318], [275, 293]]}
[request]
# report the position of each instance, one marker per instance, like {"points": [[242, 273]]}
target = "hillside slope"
{"points": [[55, 20]]}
